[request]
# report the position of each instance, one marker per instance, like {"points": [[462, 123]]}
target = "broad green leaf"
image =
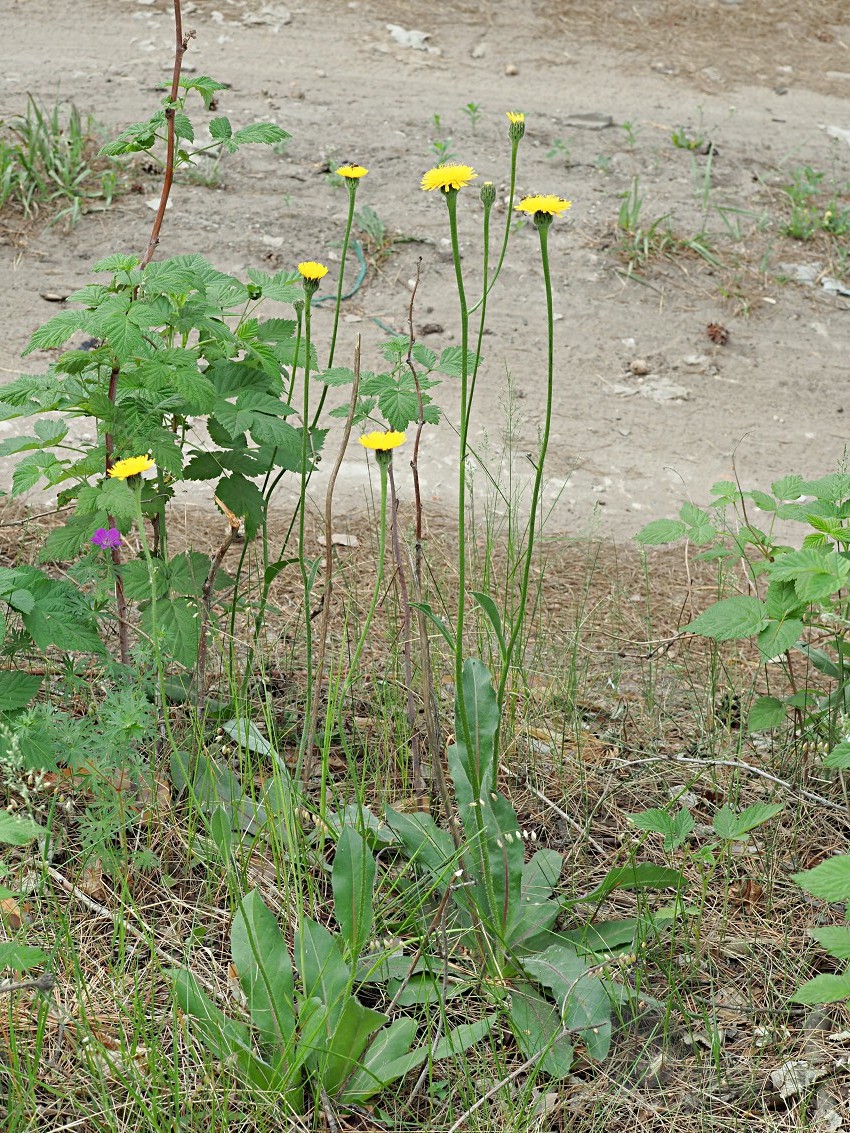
{"points": [[265, 133], [778, 637], [641, 875], [540, 875], [265, 971], [451, 361], [583, 1001], [424, 356], [732, 827], [833, 488], [788, 488], [766, 712], [537, 1026], [731, 619], [424, 842], [353, 879], [204, 85], [390, 1044], [839, 758], [816, 574], [346, 1039], [57, 331], [324, 972], [824, 989], [116, 263], [835, 939], [244, 499], [20, 957], [661, 531], [15, 830], [176, 628], [17, 689], [830, 880], [673, 828]]}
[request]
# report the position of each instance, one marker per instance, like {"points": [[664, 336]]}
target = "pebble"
{"points": [[479, 51], [695, 360], [639, 367], [511, 69]]}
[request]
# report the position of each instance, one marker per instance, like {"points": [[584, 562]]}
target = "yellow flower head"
{"points": [[382, 442], [516, 125], [351, 172], [447, 177], [132, 466], [311, 270], [551, 206]]}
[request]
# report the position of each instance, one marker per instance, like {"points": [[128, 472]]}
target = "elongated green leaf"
{"points": [[731, 619], [389, 1045], [537, 1026], [661, 531], [353, 879], [324, 972], [347, 1040], [642, 875], [265, 133], [493, 616], [583, 1000], [265, 972], [824, 989]]}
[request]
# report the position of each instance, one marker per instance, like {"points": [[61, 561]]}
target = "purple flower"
{"points": [[106, 537]]}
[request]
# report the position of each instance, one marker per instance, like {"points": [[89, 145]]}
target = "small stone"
{"points": [[54, 296], [695, 360], [639, 367], [479, 51], [431, 328], [511, 69]]}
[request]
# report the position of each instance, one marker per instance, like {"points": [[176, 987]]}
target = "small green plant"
{"points": [[684, 139], [49, 163], [829, 881], [631, 131], [559, 149], [796, 603], [313, 1031], [473, 112], [441, 143], [812, 209]]}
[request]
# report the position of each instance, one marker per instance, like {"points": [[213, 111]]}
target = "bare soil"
{"points": [[649, 410]]}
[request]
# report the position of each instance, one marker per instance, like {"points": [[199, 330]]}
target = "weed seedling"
{"points": [[473, 112]]}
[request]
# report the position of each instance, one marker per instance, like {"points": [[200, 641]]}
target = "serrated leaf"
{"points": [[734, 827], [244, 499], [731, 619], [57, 331], [176, 629], [451, 361], [778, 637], [835, 939], [264, 133], [788, 487], [117, 262], [830, 880], [661, 531], [766, 712], [839, 758], [20, 957], [17, 690], [673, 828], [824, 989], [816, 574]]}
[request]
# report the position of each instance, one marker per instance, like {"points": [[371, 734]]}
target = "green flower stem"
{"points": [[451, 202], [542, 222], [488, 287], [351, 183], [306, 574], [483, 301]]}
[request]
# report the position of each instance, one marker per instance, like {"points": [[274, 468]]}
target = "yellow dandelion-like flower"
{"points": [[311, 270], [132, 466], [551, 206], [382, 442], [447, 177], [351, 172], [515, 117]]}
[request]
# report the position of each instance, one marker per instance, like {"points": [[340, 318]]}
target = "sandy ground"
{"points": [[649, 410]]}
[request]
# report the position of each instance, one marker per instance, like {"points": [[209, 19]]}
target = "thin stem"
{"points": [[488, 287], [352, 193], [182, 42], [543, 230], [306, 579], [460, 700]]}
